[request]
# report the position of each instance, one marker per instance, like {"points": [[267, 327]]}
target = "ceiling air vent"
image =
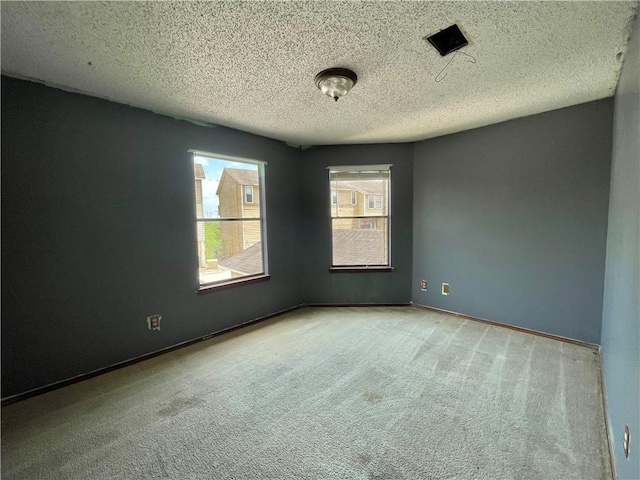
{"points": [[448, 40]]}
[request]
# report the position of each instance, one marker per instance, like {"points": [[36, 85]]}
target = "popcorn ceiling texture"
{"points": [[251, 65]]}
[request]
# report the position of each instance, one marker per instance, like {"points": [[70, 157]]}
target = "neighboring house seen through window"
{"points": [[230, 217], [360, 230]]}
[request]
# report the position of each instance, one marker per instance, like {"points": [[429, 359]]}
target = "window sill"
{"points": [[360, 269], [232, 284]]}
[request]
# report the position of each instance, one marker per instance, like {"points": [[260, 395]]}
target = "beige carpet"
{"points": [[327, 393]]}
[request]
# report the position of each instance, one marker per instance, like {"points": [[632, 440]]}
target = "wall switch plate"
{"points": [[423, 285], [445, 289], [153, 322], [625, 441]]}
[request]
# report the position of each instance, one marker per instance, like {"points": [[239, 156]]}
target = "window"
{"points": [[248, 194], [374, 202], [360, 233], [230, 218], [354, 198], [334, 197]]}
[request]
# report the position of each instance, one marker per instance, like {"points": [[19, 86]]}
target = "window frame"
{"points": [[354, 197], [334, 214], [208, 287]]}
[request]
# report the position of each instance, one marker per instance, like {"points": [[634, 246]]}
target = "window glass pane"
{"points": [[229, 249], [221, 185], [229, 218], [354, 197], [362, 241], [360, 217]]}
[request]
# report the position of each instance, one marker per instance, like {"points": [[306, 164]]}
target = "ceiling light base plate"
{"points": [[336, 82]]}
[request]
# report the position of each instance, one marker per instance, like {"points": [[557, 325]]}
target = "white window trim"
{"points": [[230, 158], [360, 168]]}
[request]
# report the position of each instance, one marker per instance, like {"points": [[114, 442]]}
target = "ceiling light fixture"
{"points": [[336, 82]]}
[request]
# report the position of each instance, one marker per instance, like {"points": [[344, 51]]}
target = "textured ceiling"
{"points": [[251, 65]]}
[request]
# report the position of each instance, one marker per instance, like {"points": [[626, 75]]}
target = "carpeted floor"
{"points": [[327, 393]]}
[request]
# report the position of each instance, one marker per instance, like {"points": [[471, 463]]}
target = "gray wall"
{"points": [[621, 312], [98, 233], [514, 217], [325, 287], [98, 228]]}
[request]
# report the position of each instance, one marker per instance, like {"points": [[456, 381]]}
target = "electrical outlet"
{"points": [[153, 322], [423, 285], [625, 441], [445, 289]]}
